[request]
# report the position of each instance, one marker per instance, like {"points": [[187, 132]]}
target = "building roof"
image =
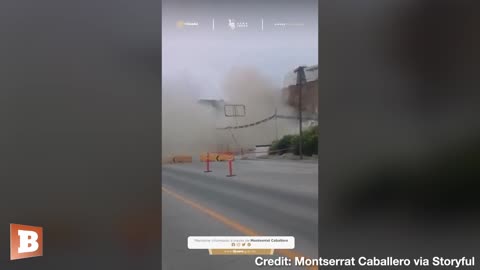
{"points": [[215, 103]]}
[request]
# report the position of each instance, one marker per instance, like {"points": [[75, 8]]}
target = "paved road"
{"points": [[267, 197]]}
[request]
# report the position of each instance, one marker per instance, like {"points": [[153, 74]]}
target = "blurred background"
{"points": [[399, 131], [80, 131]]}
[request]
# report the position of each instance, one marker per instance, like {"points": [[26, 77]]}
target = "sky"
{"points": [[206, 52]]}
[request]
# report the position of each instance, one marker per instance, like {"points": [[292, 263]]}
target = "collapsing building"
{"points": [[291, 92], [274, 121]]}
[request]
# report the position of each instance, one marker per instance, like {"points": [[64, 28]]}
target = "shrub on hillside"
{"points": [[281, 146], [290, 143], [272, 150]]}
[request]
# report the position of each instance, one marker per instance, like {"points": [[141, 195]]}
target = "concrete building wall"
{"points": [[291, 96], [290, 91]]}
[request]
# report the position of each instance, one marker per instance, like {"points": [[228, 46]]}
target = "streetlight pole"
{"points": [[301, 80]]}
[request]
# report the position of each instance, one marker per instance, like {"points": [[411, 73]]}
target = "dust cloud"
{"points": [[191, 128], [188, 128], [262, 98]]}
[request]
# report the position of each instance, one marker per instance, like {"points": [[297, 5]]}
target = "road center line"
{"points": [[230, 223]]}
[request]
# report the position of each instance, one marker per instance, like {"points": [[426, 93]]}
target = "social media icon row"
{"points": [[25, 241]]}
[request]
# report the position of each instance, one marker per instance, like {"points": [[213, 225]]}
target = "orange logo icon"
{"points": [[25, 241]]}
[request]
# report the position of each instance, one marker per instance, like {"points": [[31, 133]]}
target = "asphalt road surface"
{"points": [[266, 197]]}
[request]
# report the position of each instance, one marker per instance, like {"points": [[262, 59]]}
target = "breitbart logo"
{"points": [[25, 241]]}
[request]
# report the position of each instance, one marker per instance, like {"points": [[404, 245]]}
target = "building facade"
{"points": [[290, 91]]}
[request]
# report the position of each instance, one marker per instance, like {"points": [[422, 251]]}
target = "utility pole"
{"points": [[276, 126], [301, 81]]}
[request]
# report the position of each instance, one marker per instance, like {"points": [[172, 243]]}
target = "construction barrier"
{"points": [[217, 157], [167, 160], [208, 164], [181, 159], [230, 168]]}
